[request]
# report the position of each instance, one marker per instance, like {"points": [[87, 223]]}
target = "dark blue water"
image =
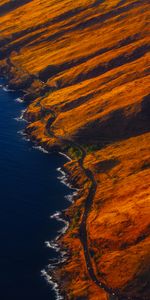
{"points": [[29, 193]]}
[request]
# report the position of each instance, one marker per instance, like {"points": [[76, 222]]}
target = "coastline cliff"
{"points": [[84, 69]]}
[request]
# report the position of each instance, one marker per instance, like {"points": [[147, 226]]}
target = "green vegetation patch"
{"points": [[91, 148], [72, 151]]}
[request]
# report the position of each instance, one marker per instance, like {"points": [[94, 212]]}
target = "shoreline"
{"points": [[59, 215], [87, 204], [58, 149]]}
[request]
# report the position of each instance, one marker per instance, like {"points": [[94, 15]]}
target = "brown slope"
{"points": [[87, 62]]}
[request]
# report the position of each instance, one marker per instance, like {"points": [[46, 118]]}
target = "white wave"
{"points": [[69, 198], [64, 229], [57, 261], [24, 135], [25, 138], [53, 262], [58, 217], [19, 100], [64, 179], [21, 132], [47, 243], [53, 284], [61, 171], [65, 155], [55, 245], [62, 254], [21, 117], [6, 89], [52, 245], [40, 148]]}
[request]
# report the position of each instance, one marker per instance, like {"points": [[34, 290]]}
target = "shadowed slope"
{"points": [[7, 6]]}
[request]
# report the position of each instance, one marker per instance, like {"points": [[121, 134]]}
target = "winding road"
{"points": [[112, 294]]}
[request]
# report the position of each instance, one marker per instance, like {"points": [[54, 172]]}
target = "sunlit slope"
{"points": [[84, 66], [120, 215], [86, 49]]}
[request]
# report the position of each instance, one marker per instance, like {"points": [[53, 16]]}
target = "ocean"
{"points": [[30, 192]]}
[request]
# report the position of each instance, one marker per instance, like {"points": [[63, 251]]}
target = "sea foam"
{"points": [[21, 117], [6, 89], [53, 284], [40, 148], [56, 261], [65, 155], [19, 100], [58, 217], [64, 179]]}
